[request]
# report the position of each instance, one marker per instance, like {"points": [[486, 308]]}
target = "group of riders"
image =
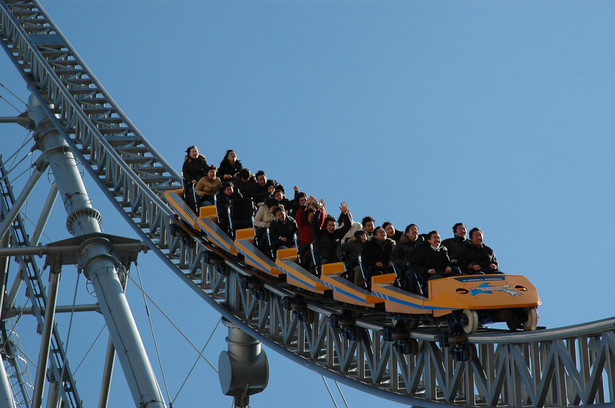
{"points": [[244, 199]]}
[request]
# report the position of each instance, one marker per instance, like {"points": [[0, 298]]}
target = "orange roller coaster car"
{"points": [[471, 300]]}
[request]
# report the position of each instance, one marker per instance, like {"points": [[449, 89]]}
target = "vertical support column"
{"points": [[98, 263], [6, 395], [243, 370], [105, 386], [43, 356]]}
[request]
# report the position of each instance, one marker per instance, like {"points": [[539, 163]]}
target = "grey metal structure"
{"points": [[560, 367]]}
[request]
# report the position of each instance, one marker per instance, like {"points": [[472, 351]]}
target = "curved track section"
{"points": [[561, 367]]}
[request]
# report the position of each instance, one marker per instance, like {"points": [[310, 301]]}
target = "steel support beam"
{"points": [[105, 385], [43, 357], [39, 169], [45, 213], [98, 262], [34, 240], [6, 394]]}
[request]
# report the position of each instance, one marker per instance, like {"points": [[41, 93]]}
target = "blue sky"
{"points": [[497, 114]]}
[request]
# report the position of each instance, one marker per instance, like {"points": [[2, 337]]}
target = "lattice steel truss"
{"points": [[561, 367]]}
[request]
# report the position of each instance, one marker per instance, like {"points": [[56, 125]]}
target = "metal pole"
{"points": [[105, 386], [4, 272], [34, 240], [45, 213], [6, 395], [40, 167], [52, 399], [63, 249], [43, 357], [98, 263]]}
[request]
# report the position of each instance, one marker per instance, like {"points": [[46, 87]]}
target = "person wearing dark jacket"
{"points": [[263, 188], [278, 194], [195, 166], [478, 257], [392, 232], [349, 252], [300, 200], [244, 180], [282, 230], [376, 254], [457, 243], [327, 234], [431, 261], [406, 246], [224, 198], [402, 253], [229, 166]]}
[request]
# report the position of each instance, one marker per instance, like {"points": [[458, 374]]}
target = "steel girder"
{"points": [[59, 370], [548, 368]]}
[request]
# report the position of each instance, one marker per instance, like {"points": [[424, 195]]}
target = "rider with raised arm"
{"points": [[327, 233]]}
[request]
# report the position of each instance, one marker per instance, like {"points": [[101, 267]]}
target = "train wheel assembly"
{"points": [[470, 321], [532, 319]]}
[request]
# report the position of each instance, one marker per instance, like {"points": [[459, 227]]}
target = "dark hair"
{"points": [[365, 220], [226, 154], [328, 218], [190, 148], [270, 202], [212, 167], [386, 224], [226, 184], [260, 173], [430, 233], [457, 225], [473, 230], [278, 208], [245, 173], [410, 226], [360, 232], [380, 228], [301, 194]]}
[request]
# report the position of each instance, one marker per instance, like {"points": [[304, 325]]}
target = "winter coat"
{"points": [[226, 168], [403, 251], [473, 255], [286, 229], [326, 243], [260, 193], [425, 258], [305, 230], [350, 251], [376, 251], [208, 186], [194, 169], [455, 246], [263, 216]]}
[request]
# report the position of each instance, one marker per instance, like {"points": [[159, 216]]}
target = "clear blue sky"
{"points": [[497, 114]]}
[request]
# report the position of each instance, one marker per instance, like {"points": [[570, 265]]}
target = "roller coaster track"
{"points": [[557, 367]]}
